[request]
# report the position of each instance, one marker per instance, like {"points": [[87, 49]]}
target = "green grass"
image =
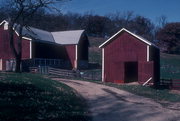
{"points": [[155, 94], [170, 66], [149, 92], [30, 97], [94, 50]]}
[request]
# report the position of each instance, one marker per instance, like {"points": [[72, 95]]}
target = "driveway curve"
{"points": [[111, 104]]}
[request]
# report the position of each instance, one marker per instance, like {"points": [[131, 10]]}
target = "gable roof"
{"points": [[61, 37], [38, 34], [136, 36], [67, 37]]}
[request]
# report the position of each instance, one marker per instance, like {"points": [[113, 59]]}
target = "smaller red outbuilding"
{"points": [[127, 57]]}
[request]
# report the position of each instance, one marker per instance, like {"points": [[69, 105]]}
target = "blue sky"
{"points": [[149, 8]]}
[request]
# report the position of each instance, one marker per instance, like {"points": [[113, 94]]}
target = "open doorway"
{"points": [[131, 71]]}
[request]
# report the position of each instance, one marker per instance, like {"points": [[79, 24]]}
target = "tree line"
{"points": [[165, 34]]}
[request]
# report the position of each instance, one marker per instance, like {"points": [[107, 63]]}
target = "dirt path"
{"points": [[111, 104]]}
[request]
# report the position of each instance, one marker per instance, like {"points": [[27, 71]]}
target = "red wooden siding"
{"points": [[5, 50], [71, 51], [124, 49], [145, 71]]}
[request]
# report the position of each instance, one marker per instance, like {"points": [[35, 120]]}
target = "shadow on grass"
{"points": [[28, 102]]}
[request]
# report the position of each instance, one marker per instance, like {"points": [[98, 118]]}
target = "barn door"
{"points": [[145, 71], [10, 65], [131, 71]]}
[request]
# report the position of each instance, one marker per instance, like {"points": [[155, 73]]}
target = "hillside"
{"points": [[94, 50], [170, 66], [30, 97]]}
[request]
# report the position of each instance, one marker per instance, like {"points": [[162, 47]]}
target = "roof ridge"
{"points": [[131, 33]]}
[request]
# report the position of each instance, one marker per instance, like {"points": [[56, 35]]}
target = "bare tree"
{"points": [[162, 21], [23, 11]]}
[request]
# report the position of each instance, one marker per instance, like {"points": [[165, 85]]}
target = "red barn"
{"points": [[69, 46], [127, 57]]}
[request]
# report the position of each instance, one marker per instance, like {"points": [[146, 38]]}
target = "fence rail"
{"points": [[170, 84], [41, 63], [89, 75], [176, 84]]}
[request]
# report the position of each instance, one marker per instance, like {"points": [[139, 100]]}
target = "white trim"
{"points": [[5, 26], [4, 21], [30, 49], [76, 52], [1, 67], [16, 32], [103, 65], [76, 56], [147, 81], [123, 29], [22, 37], [27, 38], [147, 53]]}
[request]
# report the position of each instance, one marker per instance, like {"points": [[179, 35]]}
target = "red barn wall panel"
{"points": [[145, 70], [25, 49], [5, 50], [71, 51], [124, 48]]}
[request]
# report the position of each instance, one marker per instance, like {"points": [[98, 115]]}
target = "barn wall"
{"points": [[124, 48], [71, 51], [155, 57], [5, 50], [145, 71]]}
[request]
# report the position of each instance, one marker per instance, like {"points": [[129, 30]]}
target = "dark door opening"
{"points": [[131, 71]]}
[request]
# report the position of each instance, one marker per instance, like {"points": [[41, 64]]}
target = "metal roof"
{"points": [[61, 37], [67, 37], [38, 34]]}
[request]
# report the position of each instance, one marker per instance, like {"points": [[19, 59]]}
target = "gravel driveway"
{"points": [[111, 104]]}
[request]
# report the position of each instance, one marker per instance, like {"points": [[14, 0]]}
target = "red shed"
{"points": [[44, 46], [127, 57]]}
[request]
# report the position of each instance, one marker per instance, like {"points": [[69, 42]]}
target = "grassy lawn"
{"points": [[94, 50], [170, 66], [30, 97], [149, 92], [155, 94]]}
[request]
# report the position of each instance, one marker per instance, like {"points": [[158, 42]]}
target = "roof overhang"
{"points": [[123, 29], [4, 21]]}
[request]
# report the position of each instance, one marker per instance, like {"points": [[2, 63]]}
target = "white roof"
{"points": [[137, 36], [38, 34], [67, 37], [61, 37], [35, 34]]}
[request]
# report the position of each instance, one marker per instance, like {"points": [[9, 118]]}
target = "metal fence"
{"points": [[39, 62]]}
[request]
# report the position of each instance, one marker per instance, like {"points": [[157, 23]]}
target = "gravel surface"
{"points": [[111, 104]]}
